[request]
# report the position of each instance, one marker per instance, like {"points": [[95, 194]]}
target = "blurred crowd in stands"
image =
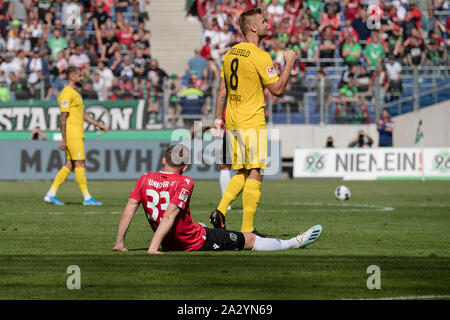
{"points": [[372, 39], [106, 39]]}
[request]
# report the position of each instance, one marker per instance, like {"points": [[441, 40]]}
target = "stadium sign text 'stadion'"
{"points": [[25, 116]]}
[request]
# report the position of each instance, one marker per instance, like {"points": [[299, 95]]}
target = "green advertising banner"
{"points": [[28, 114]]}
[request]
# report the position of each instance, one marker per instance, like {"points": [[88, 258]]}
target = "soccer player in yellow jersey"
{"points": [[246, 71], [72, 121]]}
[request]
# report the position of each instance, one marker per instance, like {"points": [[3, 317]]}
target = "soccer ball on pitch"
{"points": [[342, 193]]}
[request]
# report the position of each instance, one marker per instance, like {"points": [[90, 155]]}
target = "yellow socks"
{"points": [[80, 177], [233, 189], [250, 201], [61, 176]]}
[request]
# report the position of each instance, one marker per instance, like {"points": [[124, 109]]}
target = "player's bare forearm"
{"points": [[277, 88], [163, 229], [221, 99], [89, 119], [125, 220], [286, 73], [63, 119]]}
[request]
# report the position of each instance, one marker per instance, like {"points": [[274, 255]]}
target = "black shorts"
{"points": [[222, 239]]}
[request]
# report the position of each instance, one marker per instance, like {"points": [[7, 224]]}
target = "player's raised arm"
{"points": [[277, 88], [163, 228], [125, 220]]}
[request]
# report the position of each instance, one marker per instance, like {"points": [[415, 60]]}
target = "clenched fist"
{"points": [[289, 55]]}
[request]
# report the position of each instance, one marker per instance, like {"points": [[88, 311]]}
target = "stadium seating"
{"points": [[219, 20]]}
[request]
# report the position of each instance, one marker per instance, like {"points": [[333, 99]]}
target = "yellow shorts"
{"points": [[247, 148], [75, 149]]}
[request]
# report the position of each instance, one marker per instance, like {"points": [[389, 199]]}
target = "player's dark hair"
{"points": [[244, 18], [70, 70], [177, 156]]}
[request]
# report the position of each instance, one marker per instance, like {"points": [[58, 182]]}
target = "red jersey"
{"points": [[125, 36], [352, 9], [156, 191]]}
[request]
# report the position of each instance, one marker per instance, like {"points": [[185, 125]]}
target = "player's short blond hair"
{"points": [[244, 19]]}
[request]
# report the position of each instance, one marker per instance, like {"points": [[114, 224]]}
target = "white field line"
{"points": [[406, 298], [339, 207], [61, 213], [344, 205]]}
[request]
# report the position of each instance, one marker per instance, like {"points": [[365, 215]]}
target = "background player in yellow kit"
{"points": [[72, 130], [246, 70]]}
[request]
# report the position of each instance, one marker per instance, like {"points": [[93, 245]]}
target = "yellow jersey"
{"points": [[70, 101], [246, 69]]}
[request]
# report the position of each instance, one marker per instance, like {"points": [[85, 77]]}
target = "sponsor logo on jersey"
{"points": [[271, 71]]}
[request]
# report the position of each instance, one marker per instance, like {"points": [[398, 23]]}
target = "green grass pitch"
{"points": [[401, 226]]}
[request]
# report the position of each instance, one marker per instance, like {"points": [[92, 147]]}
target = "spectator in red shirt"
{"points": [[416, 14], [107, 5], [330, 19], [201, 9], [206, 49], [351, 8], [126, 35], [126, 86]]}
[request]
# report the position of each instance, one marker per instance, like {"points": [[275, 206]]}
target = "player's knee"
{"points": [[256, 174], [79, 164], [69, 165], [249, 240]]}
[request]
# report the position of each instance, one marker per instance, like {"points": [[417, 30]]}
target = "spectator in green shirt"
{"points": [[57, 43], [374, 52], [309, 49], [4, 92], [345, 103], [316, 9], [351, 50]]}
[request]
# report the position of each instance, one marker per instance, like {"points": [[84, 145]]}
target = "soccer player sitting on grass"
{"points": [[165, 197]]}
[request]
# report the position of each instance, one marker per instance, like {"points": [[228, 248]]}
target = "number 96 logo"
{"points": [[441, 162], [314, 162]]}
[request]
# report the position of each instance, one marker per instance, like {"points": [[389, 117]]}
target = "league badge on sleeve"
{"points": [[64, 104], [184, 194], [271, 71]]}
